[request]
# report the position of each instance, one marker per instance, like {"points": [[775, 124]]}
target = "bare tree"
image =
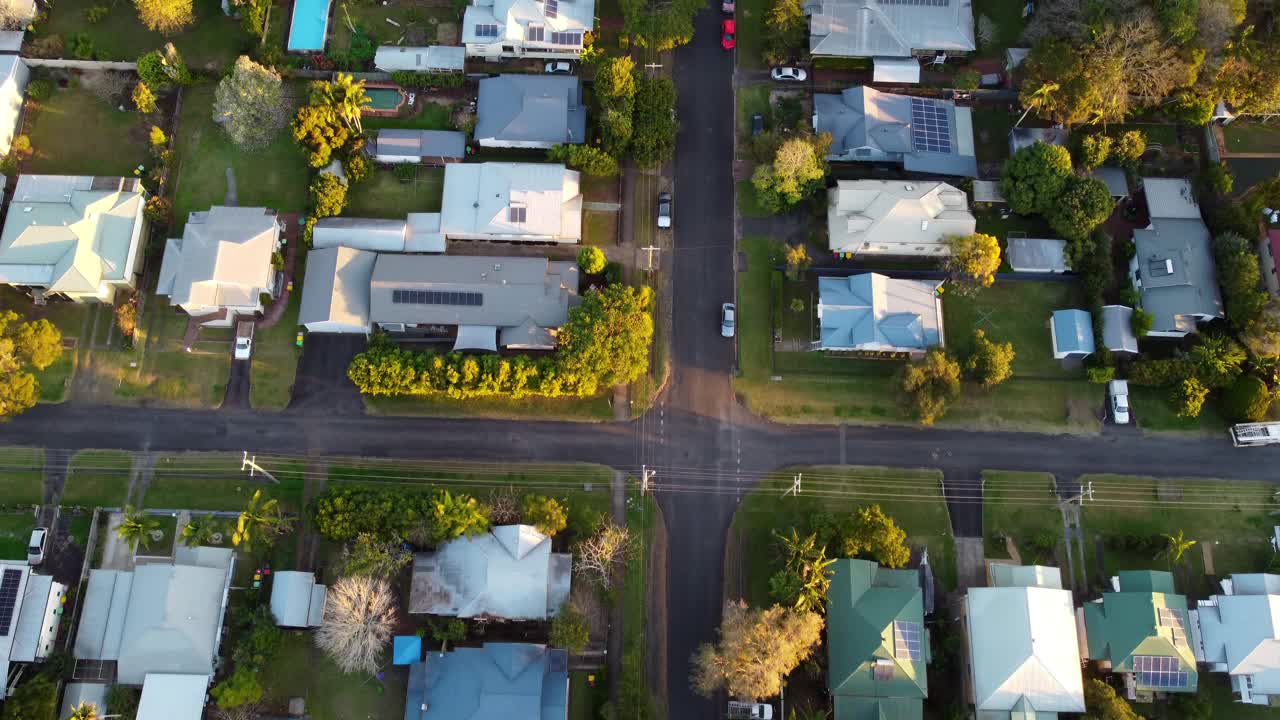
{"points": [[598, 557], [359, 619], [757, 648], [1216, 25], [247, 711], [1137, 48], [504, 506], [15, 15], [1061, 19]]}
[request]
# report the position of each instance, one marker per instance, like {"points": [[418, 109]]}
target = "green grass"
{"points": [[216, 482], [98, 478], [585, 701], [302, 670], [1247, 137], [15, 532], [22, 476], [212, 41], [1166, 135], [165, 372], [1007, 15], [1012, 311], [1153, 410], [991, 134], [564, 408], [371, 19], [918, 508], [275, 177], [752, 100], [989, 222], [599, 228], [55, 380], [275, 352], [640, 520], [477, 476], [426, 116], [748, 201], [384, 195], [1020, 505], [751, 30], [63, 145]]}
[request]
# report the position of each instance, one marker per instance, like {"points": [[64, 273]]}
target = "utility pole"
{"points": [[251, 464], [795, 486], [653, 66], [650, 250], [1070, 509], [645, 475]]}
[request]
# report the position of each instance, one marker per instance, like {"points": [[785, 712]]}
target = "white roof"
{"points": [[10, 41], [1170, 198], [896, 70], [1037, 255], [418, 232], [866, 28], [171, 696], [296, 599], [1242, 630], [337, 287], [898, 214], [390, 58], [479, 199], [987, 191], [39, 614], [513, 17], [223, 258]]}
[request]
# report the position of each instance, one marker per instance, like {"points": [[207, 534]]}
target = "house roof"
{"points": [[479, 199], [1037, 255], [1006, 575], [1170, 198], [337, 287], [526, 109], [417, 233], [865, 28], [172, 696], [11, 41], [513, 17], [850, 707], [296, 599], [432, 58], [223, 258], [499, 681], [1117, 329], [1175, 268], [1144, 618], [1072, 331], [896, 70], [71, 233], [1114, 178], [1242, 630], [896, 214], [38, 613], [873, 311], [868, 608], [509, 572], [420, 143], [925, 135]]}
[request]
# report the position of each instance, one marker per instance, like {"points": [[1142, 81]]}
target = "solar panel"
{"points": [[436, 297], [1172, 619], [551, 8], [566, 38], [535, 33], [906, 639], [930, 126], [8, 598], [1159, 672]]}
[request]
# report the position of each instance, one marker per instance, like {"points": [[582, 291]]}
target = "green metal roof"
{"points": [[862, 605], [869, 708], [1127, 624]]}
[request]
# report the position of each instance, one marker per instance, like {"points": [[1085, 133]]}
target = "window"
{"points": [[566, 38], [487, 31], [551, 8], [436, 297], [906, 640], [516, 214], [534, 33]]}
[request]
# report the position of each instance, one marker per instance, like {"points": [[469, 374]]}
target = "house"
{"points": [[14, 75], [873, 312], [297, 600], [335, 297], [877, 643], [1239, 634], [1142, 632], [435, 147], [530, 111], [30, 613], [550, 29], [896, 217], [1268, 252], [1114, 178], [417, 233], [1071, 332], [1117, 329], [160, 624], [887, 30], [221, 266], [1024, 660], [1037, 255], [497, 681], [508, 572], [1173, 267], [1021, 137], [536, 202], [430, 59], [73, 237], [923, 135]]}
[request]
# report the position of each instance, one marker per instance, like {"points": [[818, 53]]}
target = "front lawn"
{"points": [[1020, 505], [21, 476], [276, 351], [1014, 311], [98, 478], [1154, 410], [302, 670], [750, 32], [384, 195], [15, 533], [74, 132], [165, 371], [599, 228], [592, 409], [749, 201], [214, 481]]}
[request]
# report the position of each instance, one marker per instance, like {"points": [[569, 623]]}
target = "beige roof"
{"points": [[223, 258], [479, 199], [896, 216]]}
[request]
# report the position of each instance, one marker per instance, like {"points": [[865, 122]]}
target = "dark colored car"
{"points": [[757, 124]]}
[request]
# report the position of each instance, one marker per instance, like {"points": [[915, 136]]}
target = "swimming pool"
{"points": [[384, 99], [309, 26]]}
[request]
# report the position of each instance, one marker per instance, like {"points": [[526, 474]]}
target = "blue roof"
{"points": [[500, 681], [1073, 331], [406, 649], [872, 311]]}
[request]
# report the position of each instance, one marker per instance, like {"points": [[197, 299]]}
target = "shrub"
{"points": [[990, 363], [241, 688], [158, 209], [613, 273], [1141, 322], [569, 629], [586, 158], [1188, 397], [357, 167], [341, 514], [1100, 375], [1160, 372], [158, 70], [95, 14], [1246, 400], [592, 260], [405, 171], [328, 195], [967, 80], [546, 514], [410, 79], [39, 89], [81, 46]]}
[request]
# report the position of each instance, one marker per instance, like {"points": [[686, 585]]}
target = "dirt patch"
{"points": [[656, 589], [447, 33]]}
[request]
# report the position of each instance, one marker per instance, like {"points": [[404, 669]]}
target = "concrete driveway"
{"points": [[322, 386]]}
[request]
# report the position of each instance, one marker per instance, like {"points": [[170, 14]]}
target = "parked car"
{"points": [[244, 340], [728, 319], [727, 30], [36, 546], [757, 124], [749, 711], [664, 210], [1118, 401], [789, 74], [559, 67], [727, 7]]}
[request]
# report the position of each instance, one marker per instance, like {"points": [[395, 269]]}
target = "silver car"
{"points": [[789, 74], [728, 319], [664, 210], [558, 67]]}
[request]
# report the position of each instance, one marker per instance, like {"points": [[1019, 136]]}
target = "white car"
{"points": [[244, 340], [558, 67], [728, 319], [664, 210], [1118, 401], [35, 546], [789, 74]]}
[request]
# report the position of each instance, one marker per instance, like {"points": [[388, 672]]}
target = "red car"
{"points": [[726, 35]]}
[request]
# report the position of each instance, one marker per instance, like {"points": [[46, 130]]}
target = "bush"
{"points": [[158, 210], [157, 71], [967, 80], [409, 79], [342, 513], [592, 260], [1160, 372], [96, 14], [328, 196], [546, 514], [613, 273], [585, 158], [1141, 322], [569, 629], [1101, 374], [405, 171], [1246, 400], [39, 89], [990, 363], [241, 688], [1188, 397], [81, 46]]}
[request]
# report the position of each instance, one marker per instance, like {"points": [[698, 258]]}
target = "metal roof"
{"points": [[896, 70], [1177, 278], [868, 125], [296, 599], [1041, 255], [432, 58], [499, 681], [223, 258], [870, 311], [896, 217], [530, 111], [418, 232], [1026, 137], [39, 612], [1117, 329], [1115, 180], [172, 696], [511, 201], [337, 287], [1146, 618], [1170, 198], [420, 144], [865, 28], [1241, 630], [1072, 332]]}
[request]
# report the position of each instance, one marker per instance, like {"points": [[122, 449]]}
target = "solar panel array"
{"points": [[1172, 619], [551, 8], [436, 297], [487, 31], [8, 598], [906, 639], [930, 127], [1159, 672]]}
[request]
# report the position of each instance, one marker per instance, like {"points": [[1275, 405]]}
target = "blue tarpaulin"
{"points": [[406, 649]]}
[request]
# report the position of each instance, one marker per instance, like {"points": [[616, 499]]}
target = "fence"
{"points": [[82, 64]]}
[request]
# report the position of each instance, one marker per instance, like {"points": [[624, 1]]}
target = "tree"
{"points": [[785, 27], [659, 27], [1240, 278], [39, 342], [453, 516], [377, 557], [1215, 180], [797, 171], [1176, 547], [260, 523], [321, 132], [615, 89], [162, 68], [1094, 150], [1034, 176], [875, 534], [1140, 323], [588, 159], [445, 631], [1130, 148], [249, 104], [797, 261], [346, 96], [328, 195], [1246, 400], [606, 340], [143, 99], [1188, 397], [990, 363], [165, 16], [592, 260], [35, 699], [359, 620], [240, 688], [199, 530], [158, 138], [972, 262], [546, 514], [1190, 108], [569, 629], [84, 711], [24, 346], [805, 576], [1178, 18], [1217, 360], [599, 556], [654, 126], [136, 527], [930, 384], [755, 650], [1082, 205], [1103, 703]]}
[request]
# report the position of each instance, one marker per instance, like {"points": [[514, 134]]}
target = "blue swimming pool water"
{"points": [[310, 25]]}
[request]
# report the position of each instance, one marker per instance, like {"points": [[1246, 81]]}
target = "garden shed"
{"points": [[297, 600], [1072, 334]]}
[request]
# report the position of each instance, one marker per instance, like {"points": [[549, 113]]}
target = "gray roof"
{"points": [[896, 217], [1117, 329], [296, 599], [172, 696], [11, 40], [337, 287], [870, 311], [511, 201], [1242, 630], [530, 111], [418, 232], [1072, 332], [1025, 137], [1037, 255], [223, 258], [865, 28], [509, 572], [433, 58], [1115, 180], [867, 125], [420, 143], [1174, 266], [499, 681]]}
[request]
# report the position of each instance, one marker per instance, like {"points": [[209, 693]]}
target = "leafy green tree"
{"points": [[240, 688], [249, 105], [755, 650], [1247, 400], [357, 167], [1217, 360], [588, 159], [159, 69], [1141, 322], [606, 340], [135, 528], [875, 534], [346, 96], [1188, 397], [328, 195], [35, 699], [143, 99], [653, 137], [659, 27], [260, 523], [24, 347], [546, 514], [371, 555], [972, 262], [569, 629], [929, 385], [321, 132], [1178, 18], [453, 516], [450, 630], [39, 342], [592, 260], [1034, 176], [990, 363], [1240, 278], [1129, 148], [798, 260], [1103, 703], [1216, 179], [1191, 108], [1094, 150], [615, 89], [165, 16], [798, 170], [805, 576], [785, 27], [1082, 205]]}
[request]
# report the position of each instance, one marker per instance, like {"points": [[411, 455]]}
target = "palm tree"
{"points": [[261, 520], [136, 528], [84, 711], [1038, 99], [197, 531], [346, 96], [805, 559], [1176, 549]]}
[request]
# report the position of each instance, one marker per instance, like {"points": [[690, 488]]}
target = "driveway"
{"points": [[237, 396], [322, 386]]}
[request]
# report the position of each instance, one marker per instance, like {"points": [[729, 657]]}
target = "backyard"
{"points": [[392, 23], [302, 670], [58, 126], [385, 195], [1243, 136], [599, 228], [422, 115]]}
